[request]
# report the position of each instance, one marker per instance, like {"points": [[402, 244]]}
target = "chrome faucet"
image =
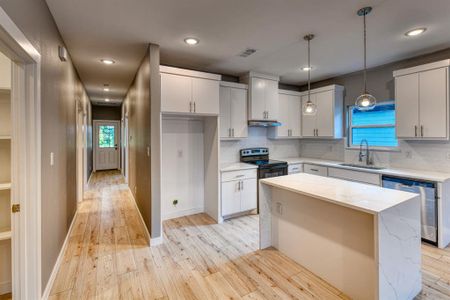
{"points": [[367, 154]]}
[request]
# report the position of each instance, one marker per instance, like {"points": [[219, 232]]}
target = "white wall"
{"points": [[183, 171], [419, 155], [257, 137]]}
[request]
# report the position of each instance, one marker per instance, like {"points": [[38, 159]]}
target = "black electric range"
{"points": [[266, 167]]}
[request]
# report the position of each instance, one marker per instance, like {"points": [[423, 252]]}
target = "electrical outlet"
{"points": [[280, 208], [175, 202]]}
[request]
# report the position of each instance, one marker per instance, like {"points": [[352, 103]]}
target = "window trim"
{"points": [[348, 142]]}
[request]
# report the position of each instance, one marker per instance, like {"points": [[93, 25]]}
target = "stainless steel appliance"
{"points": [[266, 167], [428, 199]]}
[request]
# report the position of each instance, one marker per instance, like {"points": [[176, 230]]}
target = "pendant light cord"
{"points": [[365, 55], [309, 70]]}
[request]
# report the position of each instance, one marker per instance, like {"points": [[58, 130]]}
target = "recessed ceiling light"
{"points": [[107, 100], [191, 41], [107, 61], [306, 69], [416, 31], [106, 89]]}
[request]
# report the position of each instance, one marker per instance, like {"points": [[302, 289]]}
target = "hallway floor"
{"points": [[108, 257]]}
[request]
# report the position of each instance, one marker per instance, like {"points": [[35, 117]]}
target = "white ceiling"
{"points": [[121, 30]]}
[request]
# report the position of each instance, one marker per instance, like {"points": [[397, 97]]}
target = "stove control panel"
{"points": [[254, 151]]}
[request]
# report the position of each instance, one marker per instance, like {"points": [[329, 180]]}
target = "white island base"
{"points": [[362, 239]]}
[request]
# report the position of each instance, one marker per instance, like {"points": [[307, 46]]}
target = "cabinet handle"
{"points": [[421, 130], [229, 132], [232, 132], [190, 106], [267, 114], [242, 185], [239, 176], [294, 169], [315, 170], [317, 132], [239, 185], [195, 109], [415, 130]]}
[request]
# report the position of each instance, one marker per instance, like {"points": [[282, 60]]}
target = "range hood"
{"points": [[263, 123]]}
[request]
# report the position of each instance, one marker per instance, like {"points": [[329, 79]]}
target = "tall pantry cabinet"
{"points": [[5, 178]]}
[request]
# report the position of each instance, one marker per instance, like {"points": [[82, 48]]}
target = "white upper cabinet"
{"points": [[422, 101], [233, 110], [263, 96], [185, 91], [327, 122], [289, 115]]}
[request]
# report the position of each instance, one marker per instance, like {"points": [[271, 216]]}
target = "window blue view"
{"points": [[377, 126]]}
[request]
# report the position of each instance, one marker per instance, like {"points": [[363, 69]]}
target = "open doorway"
{"points": [[20, 164]]}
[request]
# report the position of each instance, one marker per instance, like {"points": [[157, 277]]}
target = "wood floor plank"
{"points": [[109, 257]]}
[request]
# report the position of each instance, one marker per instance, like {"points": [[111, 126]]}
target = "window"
{"points": [[377, 126], [106, 136]]}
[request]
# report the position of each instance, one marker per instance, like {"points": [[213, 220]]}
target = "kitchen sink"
{"points": [[362, 166]]}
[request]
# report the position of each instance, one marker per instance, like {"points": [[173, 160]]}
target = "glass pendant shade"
{"points": [[309, 108], [366, 102]]}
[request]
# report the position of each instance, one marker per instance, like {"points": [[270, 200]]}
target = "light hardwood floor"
{"points": [[108, 257]]}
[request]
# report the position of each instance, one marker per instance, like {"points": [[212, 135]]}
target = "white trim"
{"points": [[140, 216], [182, 213], [332, 87], [235, 85], [190, 73], [253, 74], [290, 93], [426, 67], [58, 262], [26, 159]]}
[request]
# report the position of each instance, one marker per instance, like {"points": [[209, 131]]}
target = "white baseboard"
{"points": [[140, 215], [57, 265], [156, 241], [5, 287], [182, 213]]}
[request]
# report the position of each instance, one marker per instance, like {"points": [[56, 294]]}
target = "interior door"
{"points": [[308, 121], [106, 145], [176, 93], [225, 112], [433, 103], [325, 114], [239, 112], [205, 95], [407, 105]]}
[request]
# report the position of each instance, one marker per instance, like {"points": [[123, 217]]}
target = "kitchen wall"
{"points": [[101, 112], [60, 89], [412, 154], [257, 137]]}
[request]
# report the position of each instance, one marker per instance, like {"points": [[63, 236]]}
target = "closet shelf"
{"points": [[5, 186], [5, 235]]}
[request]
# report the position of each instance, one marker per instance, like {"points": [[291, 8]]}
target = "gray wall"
{"points": [[60, 88], [100, 112]]}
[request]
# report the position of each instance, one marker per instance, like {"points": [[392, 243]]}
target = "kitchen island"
{"points": [[363, 239]]}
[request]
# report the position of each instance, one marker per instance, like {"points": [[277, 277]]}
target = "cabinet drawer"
{"points": [[316, 170], [295, 168], [238, 175], [358, 176]]}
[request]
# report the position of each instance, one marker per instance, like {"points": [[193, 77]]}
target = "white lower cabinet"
{"points": [[358, 176], [295, 168], [239, 192], [316, 170]]}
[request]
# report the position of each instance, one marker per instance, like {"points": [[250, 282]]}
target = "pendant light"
{"points": [[365, 101], [309, 108]]}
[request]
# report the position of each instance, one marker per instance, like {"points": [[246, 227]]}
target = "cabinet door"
{"points": [[205, 95], [325, 114], [225, 111], [271, 99], [231, 198], [295, 113], [239, 112], [283, 115], [433, 103], [308, 121], [248, 195], [176, 93], [257, 99], [407, 105]]}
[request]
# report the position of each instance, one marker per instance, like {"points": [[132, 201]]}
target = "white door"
{"points": [[308, 121], [248, 194], [283, 115], [407, 105], [239, 112], [176, 93], [106, 145], [271, 99], [433, 103], [258, 105], [205, 96], [225, 112], [231, 197], [325, 114]]}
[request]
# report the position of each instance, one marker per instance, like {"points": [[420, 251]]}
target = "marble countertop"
{"points": [[227, 167], [409, 173], [363, 197]]}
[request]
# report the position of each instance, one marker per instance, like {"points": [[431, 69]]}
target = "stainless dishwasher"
{"points": [[428, 199]]}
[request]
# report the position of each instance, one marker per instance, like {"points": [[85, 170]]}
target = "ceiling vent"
{"points": [[247, 52]]}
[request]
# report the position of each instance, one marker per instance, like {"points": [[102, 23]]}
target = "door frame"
{"points": [[26, 159], [95, 136], [80, 148]]}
